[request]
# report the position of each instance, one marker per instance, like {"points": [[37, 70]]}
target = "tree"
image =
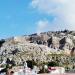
{"points": [[31, 63], [1, 42], [52, 64]]}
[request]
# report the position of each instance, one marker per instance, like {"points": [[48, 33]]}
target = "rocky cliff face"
{"points": [[38, 47]]}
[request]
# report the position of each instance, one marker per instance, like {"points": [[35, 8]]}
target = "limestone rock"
{"points": [[37, 47]]}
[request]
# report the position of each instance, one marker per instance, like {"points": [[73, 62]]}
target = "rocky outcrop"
{"points": [[38, 47], [24, 51], [58, 40]]}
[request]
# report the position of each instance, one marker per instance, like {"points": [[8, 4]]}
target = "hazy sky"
{"points": [[20, 17]]}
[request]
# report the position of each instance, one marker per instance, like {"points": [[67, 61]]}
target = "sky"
{"points": [[24, 17]]}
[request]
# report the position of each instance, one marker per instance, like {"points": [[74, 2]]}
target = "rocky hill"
{"points": [[38, 47]]}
